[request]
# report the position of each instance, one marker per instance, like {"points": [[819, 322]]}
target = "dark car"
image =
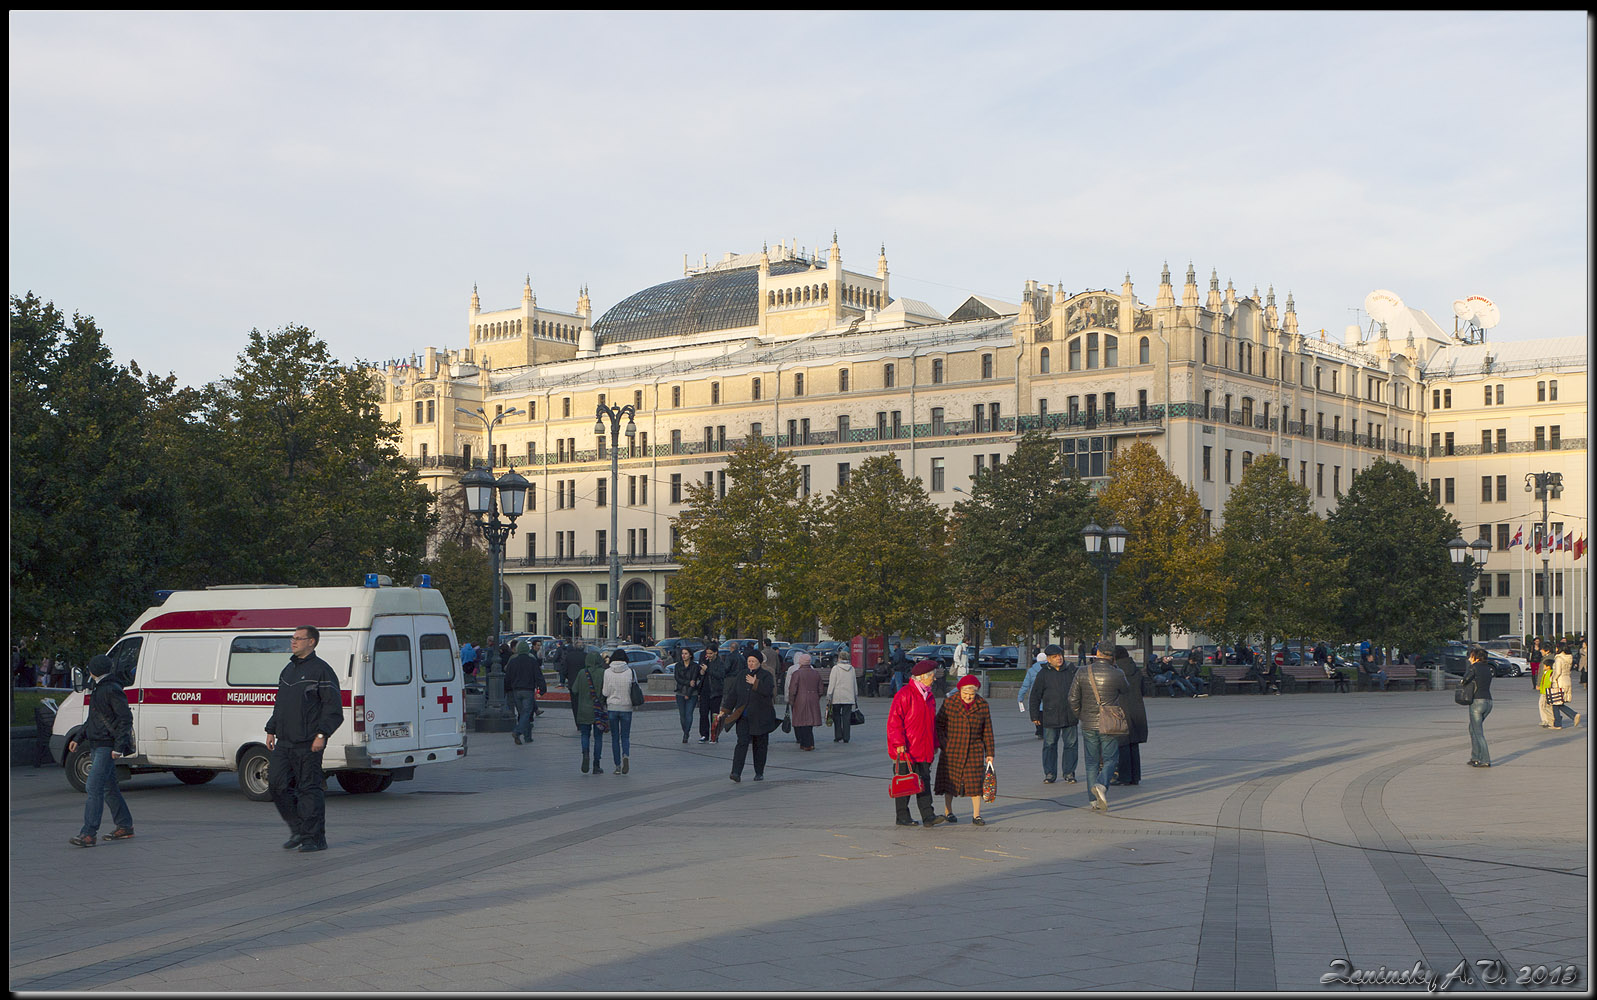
{"points": [[943, 654], [825, 653], [1451, 657], [1217, 654], [672, 644], [793, 649], [999, 658]]}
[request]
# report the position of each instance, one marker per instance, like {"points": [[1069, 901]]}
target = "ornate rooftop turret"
{"points": [[1189, 291], [1167, 295], [1215, 303], [1290, 321]]}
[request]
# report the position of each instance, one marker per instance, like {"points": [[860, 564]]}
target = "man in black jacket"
{"points": [[309, 708], [107, 733], [1050, 708], [524, 683], [711, 689]]}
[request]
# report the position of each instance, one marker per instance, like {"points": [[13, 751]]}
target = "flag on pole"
{"points": [[1580, 547], [1569, 542], [1519, 537], [1538, 544]]}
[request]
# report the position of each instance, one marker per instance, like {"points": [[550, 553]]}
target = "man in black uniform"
{"points": [[309, 708]]}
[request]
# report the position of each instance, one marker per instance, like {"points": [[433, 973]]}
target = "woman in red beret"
{"points": [[965, 738]]}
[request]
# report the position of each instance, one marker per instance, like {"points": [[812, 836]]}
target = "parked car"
{"points": [[942, 653], [643, 661], [999, 658], [669, 647], [825, 653], [1450, 656], [1505, 650], [792, 649], [1503, 666]]}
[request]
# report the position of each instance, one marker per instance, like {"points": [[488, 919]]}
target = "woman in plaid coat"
{"points": [[965, 736]]}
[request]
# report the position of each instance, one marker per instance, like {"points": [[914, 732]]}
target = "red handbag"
{"points": [[904, 784]]}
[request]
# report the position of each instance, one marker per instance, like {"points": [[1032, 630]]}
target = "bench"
{"points": [[1221, 678], [1307, 675], [1399, 673]]}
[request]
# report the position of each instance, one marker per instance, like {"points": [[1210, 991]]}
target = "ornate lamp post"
{"points": [[614, 415], [1105, 557], [1545, 486], [480, 487], [1460, 552]]}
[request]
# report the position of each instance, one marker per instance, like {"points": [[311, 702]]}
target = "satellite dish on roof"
{"points": [[1484, 310], [1461, 309], [1383, 306]]}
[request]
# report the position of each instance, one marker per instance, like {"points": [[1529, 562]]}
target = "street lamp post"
{"points": [[1461, 552], [1545, 486], [480, 487], [1105, 556], [614, 415]]}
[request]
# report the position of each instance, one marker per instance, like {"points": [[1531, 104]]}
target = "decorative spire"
{"points": [[1164, 275], [1214, 280], [1269, 299]]}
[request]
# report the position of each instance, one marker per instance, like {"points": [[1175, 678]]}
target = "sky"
{"points": [[185, 178]]}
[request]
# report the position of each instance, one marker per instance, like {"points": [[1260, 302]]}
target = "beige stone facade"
{"points": [[826, 365]]}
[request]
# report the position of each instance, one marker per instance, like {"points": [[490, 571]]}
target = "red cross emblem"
{"points": [[445, 700]]}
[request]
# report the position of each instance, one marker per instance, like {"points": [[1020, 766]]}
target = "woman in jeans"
{"points": [[618, 681], [1478, 673], [687, 681]]}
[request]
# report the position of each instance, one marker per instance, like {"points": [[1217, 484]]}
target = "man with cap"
{"points": [[1050, 709], [912, 739], [309, 708], [1097, 684], [107, 733]]}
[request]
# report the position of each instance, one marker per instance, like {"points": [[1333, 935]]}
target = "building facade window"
{"points": [[938, 473], [1042, 361], [1142, 351], [986, 366], [937, 371], [887, 376]]}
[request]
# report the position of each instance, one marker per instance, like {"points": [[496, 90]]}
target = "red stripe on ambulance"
{"points": [[174, 621]]}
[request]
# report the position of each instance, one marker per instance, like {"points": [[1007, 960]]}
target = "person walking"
{"points": [[1477, 686], [965, 742], [688, 688], [107, 734], [524, 683], [912, 740], [771, 663], [587, 686], [572, 661], [753, 690], [309, 708], [900, 668], [617, 688], [804, 700], [1129, 769], [1050, 711], [1097, 684], [1026, 683], [961, 660], [712, 688], [842, 694], [1562, 669]]}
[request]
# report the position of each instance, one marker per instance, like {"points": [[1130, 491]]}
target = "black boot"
{"points": [[584, 762]]}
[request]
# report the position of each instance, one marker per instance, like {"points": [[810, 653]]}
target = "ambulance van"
{"points": [[201, 667]]}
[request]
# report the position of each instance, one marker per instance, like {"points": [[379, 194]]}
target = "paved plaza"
{"points": [[1270, 837]]}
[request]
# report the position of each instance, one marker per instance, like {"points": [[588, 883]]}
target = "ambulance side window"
{"points": [[257, 660], [125, 659], [437, 659], [391, 660]]}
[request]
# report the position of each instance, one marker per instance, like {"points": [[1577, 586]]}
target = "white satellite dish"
{"points": [[1383, 306], [1485, 311], [1461, 309]]}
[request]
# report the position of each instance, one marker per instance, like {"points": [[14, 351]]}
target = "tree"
{"points": [[1402, 589], [93, 498], [306, 485], [741, 555], [1168, 574], [881, 559], [1016, 554], [1279, 574]]}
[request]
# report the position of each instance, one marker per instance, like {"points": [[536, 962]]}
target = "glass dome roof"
{"points": [[698, 303]]}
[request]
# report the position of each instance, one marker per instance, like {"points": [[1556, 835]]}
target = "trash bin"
{"points": [[43, 722], [984, 683]]}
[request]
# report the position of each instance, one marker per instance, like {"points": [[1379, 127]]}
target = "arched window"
{"points": [[1074, 363], [1111, 351], [824, 292], [1042, 360], [1142, 351], [1247, 411]]}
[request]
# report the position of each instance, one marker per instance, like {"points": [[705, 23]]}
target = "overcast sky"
{"points": [[186, 177]]}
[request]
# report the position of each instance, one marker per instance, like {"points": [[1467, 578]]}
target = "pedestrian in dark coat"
{"points": [[712, 688], [1099, 683], [804, 700], [965, 744], [1138, 684], [755, 691], [107, 733], [1049, 705]]}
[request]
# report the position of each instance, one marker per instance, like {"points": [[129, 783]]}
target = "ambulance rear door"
{"points": [[441, 703], [391, 681]]}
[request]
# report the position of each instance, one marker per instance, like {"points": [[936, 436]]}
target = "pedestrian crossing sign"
{"points": [[590, 616]]}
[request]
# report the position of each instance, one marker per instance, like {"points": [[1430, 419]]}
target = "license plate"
{"points": [[391, 732]]}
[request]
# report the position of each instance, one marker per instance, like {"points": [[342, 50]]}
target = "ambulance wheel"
{"points": [[362, 782], [193, 775], [252, 774], [77, 769]]}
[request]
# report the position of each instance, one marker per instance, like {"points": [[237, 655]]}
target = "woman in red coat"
{"points": [[965, 735], [912, 737]]}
